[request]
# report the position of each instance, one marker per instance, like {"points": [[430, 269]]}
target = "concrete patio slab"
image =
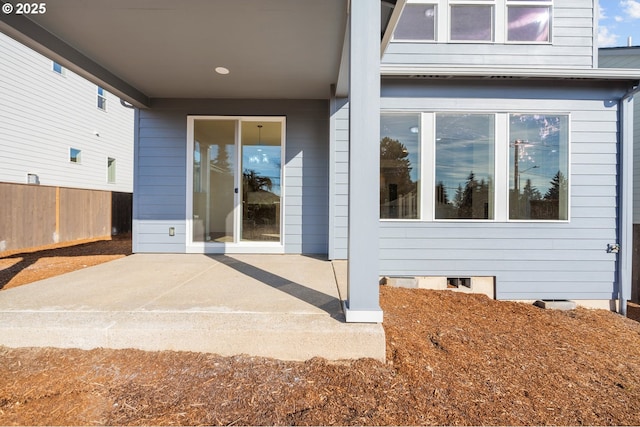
{"points": [[281, 306]]}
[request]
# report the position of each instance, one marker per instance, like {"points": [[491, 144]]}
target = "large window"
{"points": [[465, 165], [474, 166], [485, 21], [538, 163], [399, 166]]}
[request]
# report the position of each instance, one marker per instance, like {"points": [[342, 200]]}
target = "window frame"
{"points": [[501, 167], [102, 99], [55, 65], [421, 158], [111, 175], [494, 20], [500, 22], [77, 157], [531, 3]]}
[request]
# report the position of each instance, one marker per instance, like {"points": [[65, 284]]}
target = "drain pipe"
{"points": [[625, 206]]}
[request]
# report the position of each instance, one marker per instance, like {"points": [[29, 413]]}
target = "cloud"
{"points": [[631, 8], [605, 38], [618, 18], [602, 14]]}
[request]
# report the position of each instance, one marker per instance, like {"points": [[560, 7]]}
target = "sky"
{"points": [[619, 19]]}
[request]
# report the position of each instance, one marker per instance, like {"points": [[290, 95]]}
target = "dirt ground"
{"points": [[452, 359]]}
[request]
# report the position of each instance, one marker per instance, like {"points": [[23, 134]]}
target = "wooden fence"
{"points": [[35, 215]]}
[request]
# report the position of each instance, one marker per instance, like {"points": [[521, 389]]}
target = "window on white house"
{"points": [[417, 22], [538, 166], [111, 170], [102, 99], [465, 166], [74, 155], [471, 22], [57, 68], [400, 166]]}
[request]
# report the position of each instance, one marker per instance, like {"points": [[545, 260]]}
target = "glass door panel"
{"points": [[214, 165], [261, 143]]}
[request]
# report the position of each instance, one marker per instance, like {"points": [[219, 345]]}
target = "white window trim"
{"points": [[115, 178], [501, 167], [103, 97], [237, 246], [500, 24], [494, 20], [62, 72], [79, 156]]}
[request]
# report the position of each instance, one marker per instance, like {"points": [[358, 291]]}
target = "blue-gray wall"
{"points": [[628, 57], [530, 260], [160, 172], [572, 45]]}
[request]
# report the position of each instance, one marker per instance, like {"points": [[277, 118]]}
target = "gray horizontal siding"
{"points": [[572, 45], [530, 260], [160, 186], [628, 58]]}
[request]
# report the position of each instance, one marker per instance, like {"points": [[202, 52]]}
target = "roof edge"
{"points": [[30, 34], [548, 73]]}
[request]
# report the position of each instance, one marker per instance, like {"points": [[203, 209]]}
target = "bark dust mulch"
{"points": [[452, 359]]}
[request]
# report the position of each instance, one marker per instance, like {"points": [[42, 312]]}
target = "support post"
{"points": [[363, 293]]}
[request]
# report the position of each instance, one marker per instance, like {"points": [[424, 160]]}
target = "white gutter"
{"points": [[409, 70], [625, 208]]}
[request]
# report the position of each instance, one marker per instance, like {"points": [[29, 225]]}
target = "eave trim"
{"points": [[39, 39], [409, 70]]}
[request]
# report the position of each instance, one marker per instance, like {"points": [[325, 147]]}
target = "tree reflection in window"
{"points": [[464, 166], [399, 166], [538, 156]]}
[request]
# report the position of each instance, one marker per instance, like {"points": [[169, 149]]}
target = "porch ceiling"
{"points": [[170, 49]]}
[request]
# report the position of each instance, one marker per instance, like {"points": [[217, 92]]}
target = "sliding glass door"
{"points": [[235, 182]]}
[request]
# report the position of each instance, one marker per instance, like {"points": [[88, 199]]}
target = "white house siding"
{"points": [[44, 114], [572, 45], [160, 176], [628, 57]]}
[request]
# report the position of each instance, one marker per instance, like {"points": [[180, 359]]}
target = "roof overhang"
{"points": [[407, 70], [146, 49]]}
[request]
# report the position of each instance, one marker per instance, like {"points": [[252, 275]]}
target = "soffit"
{"points": [[169, 48]]}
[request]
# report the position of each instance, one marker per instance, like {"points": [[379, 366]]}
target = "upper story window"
{"points": [[528, 21], [57, 68], [74, 155], [479, 21], [111, 170], [102, 99], [471, 22]]}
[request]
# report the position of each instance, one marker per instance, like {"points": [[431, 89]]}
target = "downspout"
{"points": [[625, 209]]}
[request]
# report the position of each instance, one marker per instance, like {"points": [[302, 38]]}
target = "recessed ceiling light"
{"points": [[222, 70]]}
